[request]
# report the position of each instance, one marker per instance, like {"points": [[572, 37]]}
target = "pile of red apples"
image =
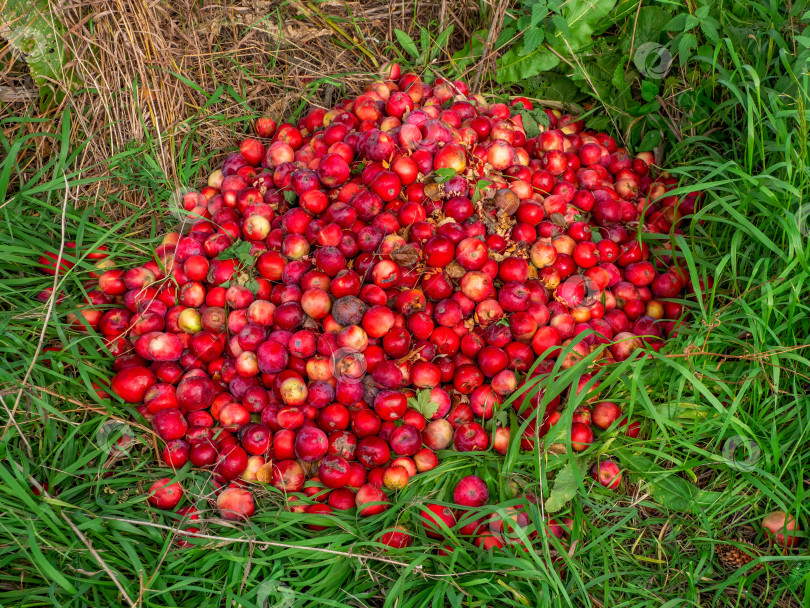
{"points": [[356, 293]]}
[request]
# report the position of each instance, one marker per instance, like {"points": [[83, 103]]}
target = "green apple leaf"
{"points": [[240, 250], [533, 120], [422, 404], [444, 174]]}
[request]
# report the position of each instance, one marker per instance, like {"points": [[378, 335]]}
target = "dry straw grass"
{"points": [[136, 60]]}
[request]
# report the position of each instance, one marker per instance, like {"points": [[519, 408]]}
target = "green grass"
{"points": [[740, 370]]}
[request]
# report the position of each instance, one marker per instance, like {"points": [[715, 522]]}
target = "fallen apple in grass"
{"points": [[371, 500], [782, 529], [164, 494], [235, 504], [398, 537], [607, 474], [471, 491], [434, 516]]}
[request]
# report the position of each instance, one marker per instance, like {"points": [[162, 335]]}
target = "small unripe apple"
{"points": [[215, 179]]}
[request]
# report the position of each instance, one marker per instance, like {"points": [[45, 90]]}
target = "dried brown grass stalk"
{"points": [[135, 59]]}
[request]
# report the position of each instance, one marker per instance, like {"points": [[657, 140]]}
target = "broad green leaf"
{"points": [[598, 122], [677, 23], [650, 141], [566, 484], [505, 37], [524, 22], [680, 495], [471, 51], [423, 404], [682, 22], [644, 109], [444, 174], [539, 12], [530, 125], [667, 488], [687, 43], [619, 78], [649, 90], [514, 67], [407, 43], [636, 463], [606, 76], [36, 33], [651, 22], [441, 41], [532, 119], [554, 87], [583, 17], [623, 9], [532, 39], [478, 189], [240, 250], [573, 27], [561, 25], [709, 28], [424, 40]]}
